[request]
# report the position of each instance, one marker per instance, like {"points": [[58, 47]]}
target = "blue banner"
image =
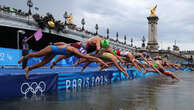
{"points": [[83, 80], [9, 56], [15, 84], [18, 85]]}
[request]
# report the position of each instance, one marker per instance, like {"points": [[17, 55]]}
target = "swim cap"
{"points": [[144, 54], [105, 43], [155, 65], [114, 51], [82, 50]]}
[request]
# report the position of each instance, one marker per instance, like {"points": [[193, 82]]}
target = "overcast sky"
{"points": [[128, 17]]}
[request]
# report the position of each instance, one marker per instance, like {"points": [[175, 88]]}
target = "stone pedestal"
{"points": [[152, 44]]}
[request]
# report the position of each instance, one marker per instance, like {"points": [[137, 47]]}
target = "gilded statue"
{"points": [[153, 10], [70, 19]]}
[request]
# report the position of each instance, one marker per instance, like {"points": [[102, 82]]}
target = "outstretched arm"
{"points": [[90, 58], [140, 54]]}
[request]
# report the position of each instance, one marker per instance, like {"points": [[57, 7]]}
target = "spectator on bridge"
{"points": [[25, 51], [190, 60]]}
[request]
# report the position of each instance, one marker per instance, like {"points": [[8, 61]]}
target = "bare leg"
{"points": [[47, 50], [57, 60], [80, 61], [37, 65], [90, 58], [87, 63]]}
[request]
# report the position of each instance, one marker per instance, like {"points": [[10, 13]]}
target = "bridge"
{"points": [[28, 23], [25, 23]]}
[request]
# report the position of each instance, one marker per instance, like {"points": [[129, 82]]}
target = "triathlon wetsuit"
{"points": [[88, 47], [122, 53], [106, 56], [161, 70], [58, 51], [78, 45]]}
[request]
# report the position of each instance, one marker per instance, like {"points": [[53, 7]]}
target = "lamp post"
{"points": [[143, 42], [117, 35], [131, 42], [125, 38], [107, 31], [96, 27], [30, 5], [65, 16], [18, 35], [18, 40], [83, 23]]}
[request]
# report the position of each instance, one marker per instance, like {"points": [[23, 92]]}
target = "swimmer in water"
{"points": [[157, 64], [51, 51]]}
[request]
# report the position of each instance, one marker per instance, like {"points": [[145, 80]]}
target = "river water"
{"points": [[152, 93]]}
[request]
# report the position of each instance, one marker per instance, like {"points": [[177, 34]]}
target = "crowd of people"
{"points": [[97, 49], [59, 25], [18, 12]]}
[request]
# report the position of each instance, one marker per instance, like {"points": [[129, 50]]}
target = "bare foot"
{"points": [[27, 69], [52, 65], [20, 60], [100, 68], [145, 71]]}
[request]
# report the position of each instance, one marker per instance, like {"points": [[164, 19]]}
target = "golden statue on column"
{"points": [[153, 10], [70, 19]]}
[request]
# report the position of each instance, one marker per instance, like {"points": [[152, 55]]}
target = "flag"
{"points": [[38, 34]]}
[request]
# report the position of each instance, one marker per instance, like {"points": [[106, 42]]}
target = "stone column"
{"points": [[152, 44]]}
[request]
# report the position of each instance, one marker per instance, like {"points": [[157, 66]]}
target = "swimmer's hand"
{"points": [[102, 62]]}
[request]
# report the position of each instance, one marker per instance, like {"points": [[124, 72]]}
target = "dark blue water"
{"points": [[152, 93]]}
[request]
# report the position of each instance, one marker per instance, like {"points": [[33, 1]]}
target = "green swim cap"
{"points": [[155, 65], [114, 51], [105, 43]]}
